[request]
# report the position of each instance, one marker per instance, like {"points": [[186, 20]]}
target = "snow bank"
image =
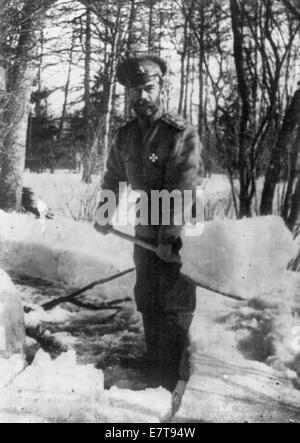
{"points": [[63, 191], [12, 331], [10, 368], [244, 258], [153, 404], [243, 355], [62, 375], [243, 361], [39, 315], [72, 253], [61, 390]]}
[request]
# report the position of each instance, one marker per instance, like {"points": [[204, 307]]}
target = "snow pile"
{"points": [[10, 368], [12, 333], [39, 315], [244, 360], [62, 375], [243, 258], [65, 193], [244, 357], [151, 404], [62, 391], [72, 253], [268, 328]]}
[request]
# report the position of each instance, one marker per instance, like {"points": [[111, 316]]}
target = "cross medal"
{"points": [[153, 158]]}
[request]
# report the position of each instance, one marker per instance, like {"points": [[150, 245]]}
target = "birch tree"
{"points": [[22, 19]]}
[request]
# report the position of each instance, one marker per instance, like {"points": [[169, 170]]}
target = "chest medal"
{"points": [[153, 158]]}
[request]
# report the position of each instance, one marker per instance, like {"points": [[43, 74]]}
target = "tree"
{"points": [[270, 48], [23, 18], [286, 142], [87, 98]]}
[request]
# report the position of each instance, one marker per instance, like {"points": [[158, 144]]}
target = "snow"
{"points": [[244, 258], [62, 375], [244, 356], [10, 368], [66, 195], [62, 391], [12, 332], [242, 366], [157, 404], [72, 253], [39, 315]]}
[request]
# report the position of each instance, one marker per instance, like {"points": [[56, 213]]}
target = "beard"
{"points": [[145, 109]]}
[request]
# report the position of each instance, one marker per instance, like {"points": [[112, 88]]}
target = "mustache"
{"points": [[144, 103]]}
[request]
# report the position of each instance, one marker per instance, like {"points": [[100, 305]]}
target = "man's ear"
{"points": [[163, 94]]}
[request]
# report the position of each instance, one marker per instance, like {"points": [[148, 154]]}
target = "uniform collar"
{"points": [[146, 124]]}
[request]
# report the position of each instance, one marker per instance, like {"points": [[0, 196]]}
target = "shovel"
{"points": [[176, 259]]}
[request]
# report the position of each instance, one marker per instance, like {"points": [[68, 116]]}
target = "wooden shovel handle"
{"points": [[141, 243], [177, 260]]}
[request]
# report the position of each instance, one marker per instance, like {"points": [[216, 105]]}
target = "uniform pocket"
{"points": [[134, 169]]}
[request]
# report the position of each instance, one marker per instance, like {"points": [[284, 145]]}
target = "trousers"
{"points": [[167, 302]]}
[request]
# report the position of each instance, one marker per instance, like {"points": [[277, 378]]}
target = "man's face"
{"points": [[146, 99]]}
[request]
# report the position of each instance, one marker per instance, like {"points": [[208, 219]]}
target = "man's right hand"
{"points": [[104, 230]]}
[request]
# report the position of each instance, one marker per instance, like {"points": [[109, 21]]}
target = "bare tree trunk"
{"points": [[187, 84], [201, 71], [66, 91], [13, 160], [151, 26], [183, 70], [280, 153], [20, 81], [104, 125], [129, 51], [293, 217], [291, 209], [110, 94], [87, 166], [245, 200]]}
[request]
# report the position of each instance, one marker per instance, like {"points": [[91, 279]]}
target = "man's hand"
{"points": [[104, 230], [165, 253]]}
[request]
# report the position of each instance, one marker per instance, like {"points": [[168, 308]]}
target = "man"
{"points": [[157, 150]]}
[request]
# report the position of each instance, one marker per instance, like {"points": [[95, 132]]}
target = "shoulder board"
{"points": [[175, 120]]}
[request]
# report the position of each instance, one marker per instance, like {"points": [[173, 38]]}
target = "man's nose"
{"points": [[144, 94]]}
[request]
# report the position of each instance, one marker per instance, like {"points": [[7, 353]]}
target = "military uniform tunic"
{"points": [[163, 155]]}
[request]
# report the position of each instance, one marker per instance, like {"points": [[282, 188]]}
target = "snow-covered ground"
{"points": [[245, 359], [244, 355], [111, 340], [72, 387], [61, 390], [67, 196]]}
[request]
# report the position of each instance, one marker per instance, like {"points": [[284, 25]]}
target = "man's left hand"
{"points": [[165, 253]]}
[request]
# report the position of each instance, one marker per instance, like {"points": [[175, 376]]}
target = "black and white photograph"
{"points": [[149, 214]]}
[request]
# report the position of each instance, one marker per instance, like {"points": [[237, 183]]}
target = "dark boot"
{"points": [[152, 337], [173, 355]]}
